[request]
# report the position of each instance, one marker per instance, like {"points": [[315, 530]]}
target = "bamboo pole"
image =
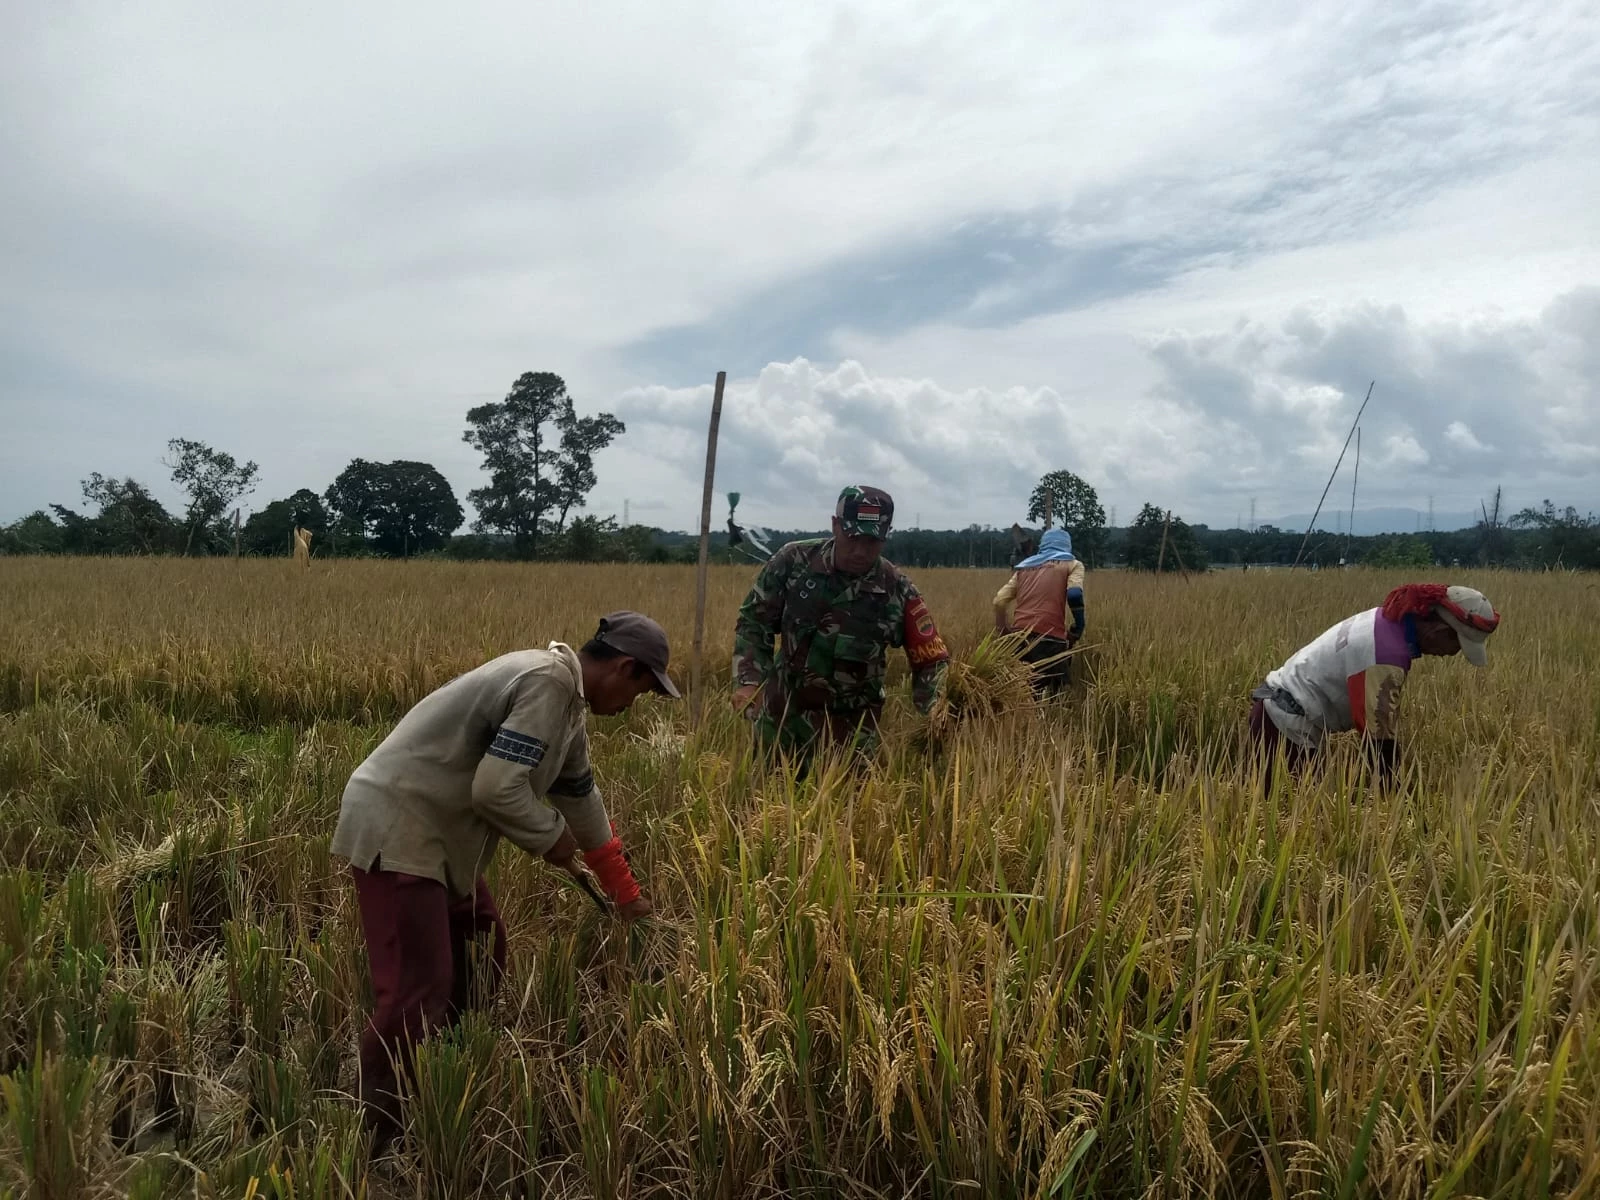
{"points": [[1354, 425], [696, 698], [1350, 530]]}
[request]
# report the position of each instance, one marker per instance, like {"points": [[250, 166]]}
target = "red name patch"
{"points": [[923, 643]]}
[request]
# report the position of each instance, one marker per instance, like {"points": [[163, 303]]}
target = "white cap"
{"points": [[1470, 614]]}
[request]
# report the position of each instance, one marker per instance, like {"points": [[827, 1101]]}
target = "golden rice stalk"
{"points": [[135, 864]]}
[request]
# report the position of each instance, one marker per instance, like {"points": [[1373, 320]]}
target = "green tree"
{"points": [[129, 521], [1075, 507], [1145, 552], [590, 539], [637, 543], [35, 533], [269, 532], [400, 508], [213, 481], [581, 439], [1560, 537], [540, 458]]}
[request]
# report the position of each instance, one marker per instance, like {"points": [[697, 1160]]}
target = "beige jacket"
{"points": [[498, 752]]}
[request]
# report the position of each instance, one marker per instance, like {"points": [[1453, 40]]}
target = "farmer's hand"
{"points": [[745, 696], [563, 852], [634, 909]]}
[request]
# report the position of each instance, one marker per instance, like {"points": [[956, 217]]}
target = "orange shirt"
{"points": [[1040, 594]]}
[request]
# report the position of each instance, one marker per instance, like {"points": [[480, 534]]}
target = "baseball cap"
{"points": [[642, 640], [1469, 613], [865, 511]]}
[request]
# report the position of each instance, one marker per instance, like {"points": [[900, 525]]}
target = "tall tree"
{"points": [[130, 520], [213, 481], [268, 532], [402, 508], [539, 455], [1075, 507], [581, 439]]}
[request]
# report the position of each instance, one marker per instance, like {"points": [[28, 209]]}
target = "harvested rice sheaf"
{"points": [[988, 682]]}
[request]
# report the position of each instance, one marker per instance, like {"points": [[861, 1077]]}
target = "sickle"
{"points": [[587, 885]]}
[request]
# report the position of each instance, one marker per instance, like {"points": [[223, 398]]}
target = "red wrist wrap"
{"points": [[611, 868]]}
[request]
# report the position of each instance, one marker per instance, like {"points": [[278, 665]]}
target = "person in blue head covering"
{"points": [[1044, 588]]}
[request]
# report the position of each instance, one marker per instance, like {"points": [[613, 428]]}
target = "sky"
{"points": [[938, 248]]}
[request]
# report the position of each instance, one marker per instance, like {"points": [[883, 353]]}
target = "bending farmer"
{"points": [[838, 605], [498, 752], [1351, 676], [1045, 587]]}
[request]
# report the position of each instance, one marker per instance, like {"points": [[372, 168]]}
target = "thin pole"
{"points": [[695, 696], [1161, 559], [1355, 479], [1336, 466]]}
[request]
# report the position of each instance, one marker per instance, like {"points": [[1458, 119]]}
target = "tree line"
{"points": [[538, 453], [1542, 537], [537, 450]]}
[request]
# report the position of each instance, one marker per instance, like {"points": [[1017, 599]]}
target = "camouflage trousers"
{"points": [[799, 735]]}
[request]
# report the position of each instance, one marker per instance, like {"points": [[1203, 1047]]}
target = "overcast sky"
{"points": [[943, 248]]}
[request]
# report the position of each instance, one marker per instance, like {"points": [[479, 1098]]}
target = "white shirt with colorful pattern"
{"points": [[1349, 678]]}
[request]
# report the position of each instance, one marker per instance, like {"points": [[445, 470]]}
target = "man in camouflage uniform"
{"points": [[838, 605]]}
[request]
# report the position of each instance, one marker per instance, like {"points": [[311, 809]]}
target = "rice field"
{"points": [[1058, 951]]}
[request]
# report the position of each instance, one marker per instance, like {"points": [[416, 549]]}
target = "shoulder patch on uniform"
{"points": [[923, 643], [517, 747]]}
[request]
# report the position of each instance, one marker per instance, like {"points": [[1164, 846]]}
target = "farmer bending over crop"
{"points": [[1351, 676], [1044, 587], [498, 752], [838, 606]]}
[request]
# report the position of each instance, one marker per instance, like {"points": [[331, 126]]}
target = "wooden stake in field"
{"points": [[1161, 558], [695, 697]]}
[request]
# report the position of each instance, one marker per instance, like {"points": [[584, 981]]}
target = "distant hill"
{"points": [[1371, 521]]}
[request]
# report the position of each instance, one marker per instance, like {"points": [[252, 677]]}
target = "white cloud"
{"points": [[1461, 436], [1403, 450], [311, 233], [796, 433], [1256, 410]]}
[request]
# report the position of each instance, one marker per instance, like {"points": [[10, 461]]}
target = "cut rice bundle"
{"points": [[991, 681]]}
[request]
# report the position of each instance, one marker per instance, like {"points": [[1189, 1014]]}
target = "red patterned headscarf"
{"points": [[1420, 599]]}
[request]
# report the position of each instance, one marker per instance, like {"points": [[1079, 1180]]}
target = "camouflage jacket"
{"points": [[836, 632]]}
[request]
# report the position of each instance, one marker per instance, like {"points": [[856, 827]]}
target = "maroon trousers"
{"points": [[1265, 736], [427, 968]]}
